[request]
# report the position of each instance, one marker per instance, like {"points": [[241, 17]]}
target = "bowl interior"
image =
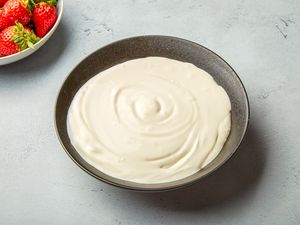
{"points": [[163, 46]]}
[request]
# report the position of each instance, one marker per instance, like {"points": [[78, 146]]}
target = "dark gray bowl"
{"points": [[170, 47]]}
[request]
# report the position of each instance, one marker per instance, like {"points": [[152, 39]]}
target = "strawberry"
{"points": [[44, 17], [2, 2], [16, 38], [3, 22], [15, 10]]}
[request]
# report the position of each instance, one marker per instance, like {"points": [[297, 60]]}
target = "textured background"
{"points": [[39, 184]]}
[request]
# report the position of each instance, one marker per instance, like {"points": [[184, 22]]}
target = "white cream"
{"points": [[150, 120]]}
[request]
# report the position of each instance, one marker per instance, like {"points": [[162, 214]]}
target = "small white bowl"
{"points": [[20, 55]]}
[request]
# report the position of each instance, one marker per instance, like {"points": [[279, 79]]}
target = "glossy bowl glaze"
{"points": [[163, 46], [21, 55]]}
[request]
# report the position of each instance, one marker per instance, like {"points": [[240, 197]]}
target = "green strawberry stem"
{"points": [[28, 4], [31, 5], [23, 37], [49, 2]]}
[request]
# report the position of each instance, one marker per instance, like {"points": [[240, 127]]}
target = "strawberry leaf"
{"points": [[49, 2], [23, 37], [30, 45]]}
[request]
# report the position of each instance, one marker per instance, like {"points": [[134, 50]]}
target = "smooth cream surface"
{"points": [[150, 120]]}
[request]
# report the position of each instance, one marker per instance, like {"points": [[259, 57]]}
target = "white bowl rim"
{"points": [[60, 4]]}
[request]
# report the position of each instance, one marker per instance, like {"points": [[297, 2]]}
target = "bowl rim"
{"points": [[145, 189], [41, 41]]}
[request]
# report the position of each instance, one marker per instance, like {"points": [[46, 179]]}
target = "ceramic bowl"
{"points": [[20, 55], [164, 46]]}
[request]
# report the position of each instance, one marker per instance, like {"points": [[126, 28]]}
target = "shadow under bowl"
{"points": [[163, 46]]}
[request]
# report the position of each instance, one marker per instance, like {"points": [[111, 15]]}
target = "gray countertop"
{"points": [[39, 184]]}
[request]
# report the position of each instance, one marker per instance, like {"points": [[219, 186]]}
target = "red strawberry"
{"points": [[16, 38], [15, 10], [2, 2], [3, 22], [44, 17]]}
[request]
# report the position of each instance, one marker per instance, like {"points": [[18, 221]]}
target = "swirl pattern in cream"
{"points": [[150, 120]]}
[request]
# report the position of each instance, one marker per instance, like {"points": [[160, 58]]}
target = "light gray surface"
{"points": [[260, 185]]}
